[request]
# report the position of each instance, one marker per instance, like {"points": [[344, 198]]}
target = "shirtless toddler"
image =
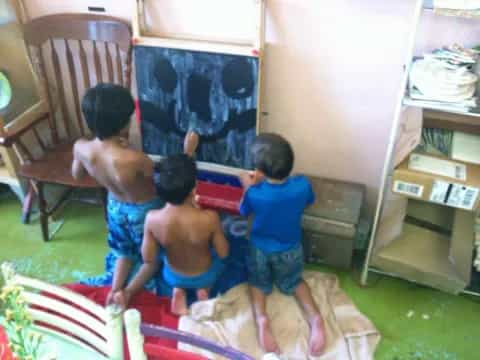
{"points": [[186, 233]]}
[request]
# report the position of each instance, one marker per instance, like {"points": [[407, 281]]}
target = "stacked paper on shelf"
{"points": [[462, 8], [445, 77], [457, 4]]}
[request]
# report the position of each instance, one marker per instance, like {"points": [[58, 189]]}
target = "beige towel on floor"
{"points": [[228, 320]]}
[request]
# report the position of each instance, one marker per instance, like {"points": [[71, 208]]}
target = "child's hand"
{"points": [[122, 299], [109, 299], [190, 143], [249, 178]]}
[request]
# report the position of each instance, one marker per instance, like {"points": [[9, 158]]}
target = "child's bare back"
{"points": [[184, 231], [126, 173]]}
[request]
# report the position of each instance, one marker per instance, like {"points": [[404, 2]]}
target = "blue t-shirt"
{"points": [[277, 210]]}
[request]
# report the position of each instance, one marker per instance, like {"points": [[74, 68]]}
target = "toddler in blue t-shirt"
{"points": [[276, 201]]}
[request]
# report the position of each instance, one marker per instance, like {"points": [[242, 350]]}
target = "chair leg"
{"points": [[42, 205], [27, 205]]}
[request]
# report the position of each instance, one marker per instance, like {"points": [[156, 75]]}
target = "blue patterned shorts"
{"points": [[125, 235], [284, 269]]}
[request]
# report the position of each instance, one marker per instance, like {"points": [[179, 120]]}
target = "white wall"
{"points": [[332, 68]]}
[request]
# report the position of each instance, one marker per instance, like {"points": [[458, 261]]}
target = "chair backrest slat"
{"points": [[57, 72], [24, 150], [84, 63], [98, 64], [39, 139], [62, 323], [68, 295], [128, 69], [65, 309], [118, 59], [74, 83], [109, 63], [43, 70]]}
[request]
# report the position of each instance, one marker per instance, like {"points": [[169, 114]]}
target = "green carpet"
{"points": [[415, 322]]}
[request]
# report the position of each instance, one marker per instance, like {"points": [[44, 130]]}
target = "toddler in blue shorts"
{"points": [[276, 202], [191, 239]]}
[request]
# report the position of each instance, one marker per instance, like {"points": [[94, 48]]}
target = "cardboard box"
{"points": [[461, 192], [429, 257], [391, 220], [409, 133]]}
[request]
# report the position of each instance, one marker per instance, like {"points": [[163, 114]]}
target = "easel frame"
{"points": [[196, 43], [255, 48]]}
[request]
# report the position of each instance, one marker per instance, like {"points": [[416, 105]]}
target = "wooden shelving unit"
{"points": [[467, 120]]}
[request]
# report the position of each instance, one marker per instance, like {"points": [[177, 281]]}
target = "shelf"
{"points": [[428, 5], [422, 256], [473, 112]]}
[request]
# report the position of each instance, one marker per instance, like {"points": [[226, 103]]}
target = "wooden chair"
{"points": [[71, 53], [135, 332], [68, 321]]}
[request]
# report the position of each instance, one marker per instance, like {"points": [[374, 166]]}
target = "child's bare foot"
{"points": [[317, 335], [202, 294], [179, 302], [265, 336]]}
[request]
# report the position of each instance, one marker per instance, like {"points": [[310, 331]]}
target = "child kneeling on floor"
{"points": [[277, 201], [185, 232], [127, 174]]}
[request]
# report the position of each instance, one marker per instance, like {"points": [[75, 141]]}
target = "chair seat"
{"points": [[55, 167]]}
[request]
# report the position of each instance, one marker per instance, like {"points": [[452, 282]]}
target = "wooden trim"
{"points": [[195, 45], [259, 24], [389, 156], [78, 27], [136, 22], [222, 169], [11, 137]]}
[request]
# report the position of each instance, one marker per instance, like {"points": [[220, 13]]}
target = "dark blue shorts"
{"points": [[125, 236], [202, 281], [284, 269]]}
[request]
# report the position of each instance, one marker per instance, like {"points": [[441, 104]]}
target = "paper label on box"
{"points": [[436, 166], [406, 188], [456, 195]]}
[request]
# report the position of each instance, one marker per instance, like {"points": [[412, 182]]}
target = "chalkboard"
{"points": [[214, 94]]}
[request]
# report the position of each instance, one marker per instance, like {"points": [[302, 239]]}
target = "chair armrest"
{"points": [[7, 139]]}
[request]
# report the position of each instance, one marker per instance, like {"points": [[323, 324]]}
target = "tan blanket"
{"points": [[228, 320]]}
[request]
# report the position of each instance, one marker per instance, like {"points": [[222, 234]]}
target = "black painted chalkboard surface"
{"points": [[214, 94]]}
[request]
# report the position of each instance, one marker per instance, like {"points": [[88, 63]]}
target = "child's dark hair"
{"points": [[273, 155], [107, 109], [175, 178]]}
